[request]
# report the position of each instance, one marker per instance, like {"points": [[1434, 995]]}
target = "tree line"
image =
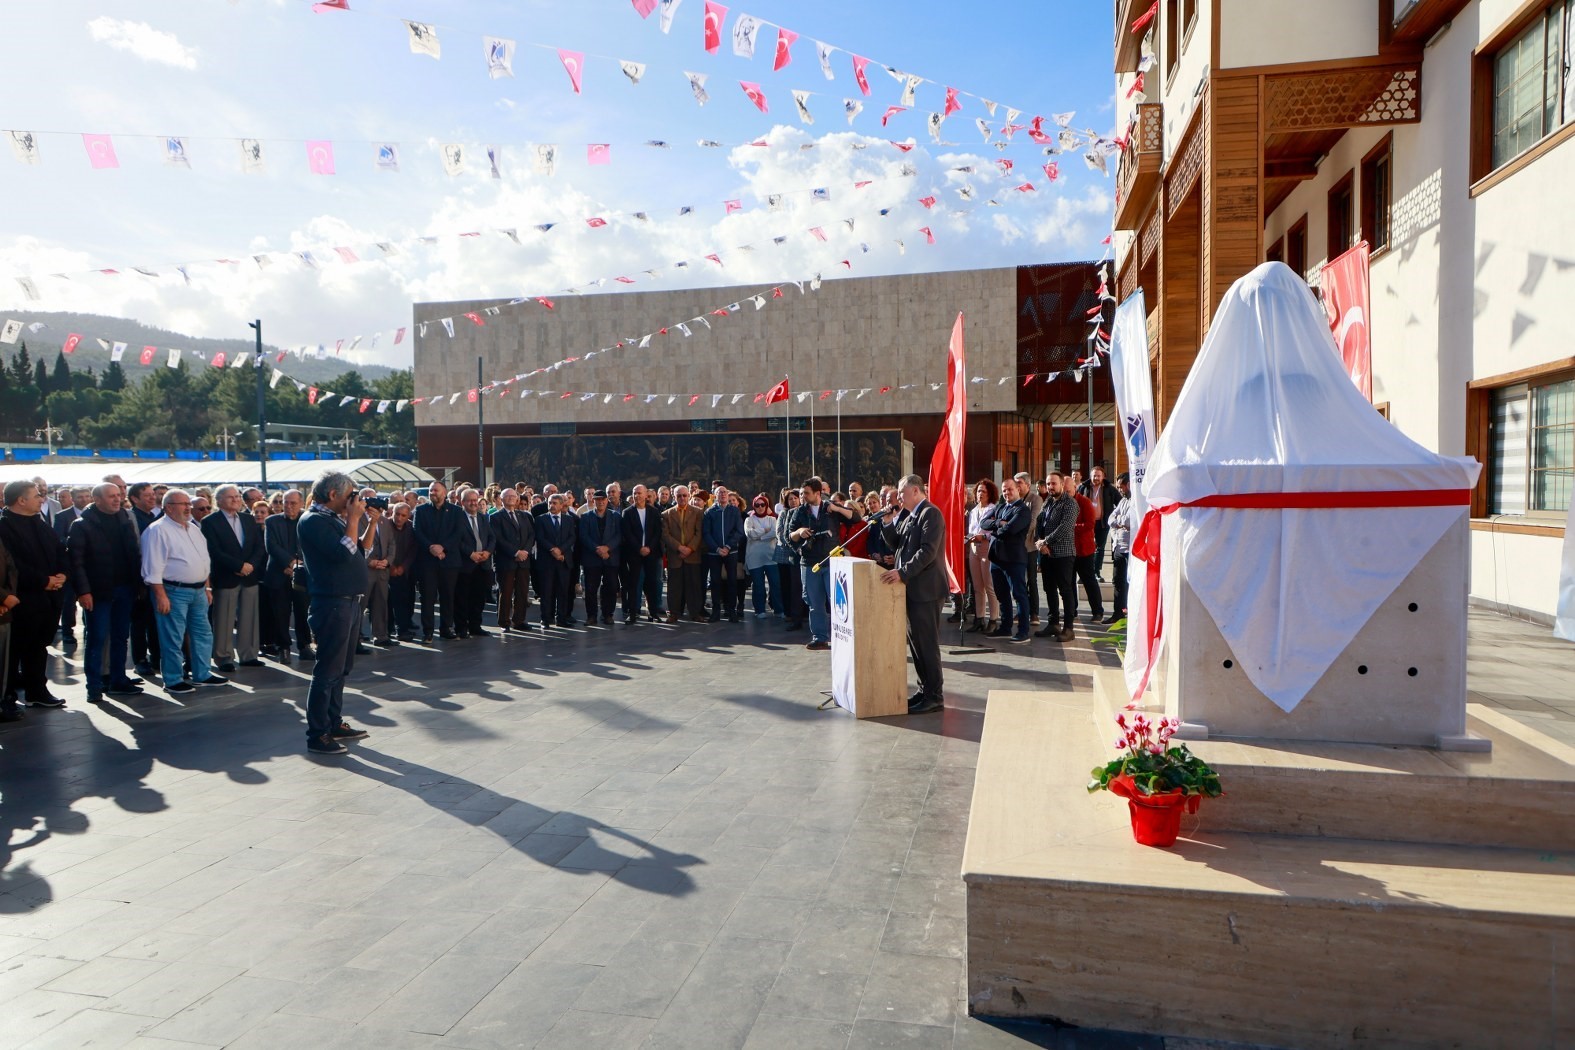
{"points": [[183, 407]]}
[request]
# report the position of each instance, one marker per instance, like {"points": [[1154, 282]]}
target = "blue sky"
{"points": [[273, 70]]}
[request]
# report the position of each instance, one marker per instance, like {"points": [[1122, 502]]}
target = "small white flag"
{"points": [[824, 52], [274, 382], [546, 159], [382, 406], [910, 88], [29, 288], [716, 399], [801, 102], [665, 12], [500, 56], [684, 329], [25, 145], [175, 152], [934, 122], [492, 163], [12, 330], [633, 70], [424, 40], [697, 85], [174, 358], [448, 326], [402, 404], [453, 158], [251, 156], [117, 351], [240, 360], [745, 29], [852, 107]]}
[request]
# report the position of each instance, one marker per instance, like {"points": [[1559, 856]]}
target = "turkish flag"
{"points": [[218, 360], [777, 393], [147, 355], [366, 403], [947, 489], [785, 39], [476, 318], [71, 343], [311, 395], [472, 395], [331, 5], [1345, 300], [715, 15]]}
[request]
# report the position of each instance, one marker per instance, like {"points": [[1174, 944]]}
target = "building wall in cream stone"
{"points": [[853, 333]]}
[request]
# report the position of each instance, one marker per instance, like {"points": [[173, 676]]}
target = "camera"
{"points": [[377, 503]]}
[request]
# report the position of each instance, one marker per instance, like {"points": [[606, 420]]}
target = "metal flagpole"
{"points": [[481, 443], [839, 441], [787, 432]]}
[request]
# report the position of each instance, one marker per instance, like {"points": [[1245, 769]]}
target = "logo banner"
{"points": [[1134, 389]]}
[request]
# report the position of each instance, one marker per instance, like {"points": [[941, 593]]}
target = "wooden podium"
{"points": [[869, 639]]}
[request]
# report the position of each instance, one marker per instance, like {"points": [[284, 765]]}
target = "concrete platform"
{"points": [[1277, 939]]}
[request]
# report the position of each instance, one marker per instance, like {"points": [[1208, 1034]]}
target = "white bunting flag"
{"points": [[25, 145], [716, 399], [117, 351], [240, 360], [823, 51], [174, 358], [274, 382], [665, 12], [737, 398], [984, 128], [988, 106], [448, 326], [774, 201], [386, 157], [453, 158], [251, 156], [1064, 119], [1012, 115], [1068, 140], [671, 398], [1095, 159], [492, 164], [760, 302], [500, 56], [801, 397], [645, 341], [546, 159], [934, 122], [902, 249], [29, 288], [745, 30], [382, 406], [175, 152], [910, 88], [424, 40], [801, 102], [852, 107], [11, 331], [401, 404], [697, 85], [685, 329], [633, 70]]}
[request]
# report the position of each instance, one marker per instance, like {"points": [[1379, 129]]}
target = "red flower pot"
{"points": [[1156, 819]]}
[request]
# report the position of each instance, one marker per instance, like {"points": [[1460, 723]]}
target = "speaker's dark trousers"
{"points": [[924, 645]]}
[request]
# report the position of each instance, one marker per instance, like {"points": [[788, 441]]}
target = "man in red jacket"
{"points": [[1087, 545]]}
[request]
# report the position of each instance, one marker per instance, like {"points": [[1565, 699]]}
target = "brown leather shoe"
{"points": [[672, 618], [1067, 634]]}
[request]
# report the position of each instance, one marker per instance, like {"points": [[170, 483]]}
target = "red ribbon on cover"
{"points": [[1146, 544]]}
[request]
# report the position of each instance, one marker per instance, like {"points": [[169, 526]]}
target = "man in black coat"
{"points": [[1008, 529], [514, 531], [556, 532], [1104, 496], [642, 556], [286, 579], [919, 538], [140, 506], [600, 543], [106, 563], [81, 499], [438, 526], [40, 560], [238, 554], [476, 550]]}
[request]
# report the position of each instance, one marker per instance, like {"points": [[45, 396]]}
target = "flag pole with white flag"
{"points": [[1135, 412]]}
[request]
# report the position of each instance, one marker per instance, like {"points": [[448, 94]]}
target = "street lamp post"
{"points": [[262, 407], [49, 433]]}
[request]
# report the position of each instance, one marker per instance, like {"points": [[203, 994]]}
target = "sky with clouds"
{"points": [[275, 71]]}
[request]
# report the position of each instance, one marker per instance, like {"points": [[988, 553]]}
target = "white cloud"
{"points": [[142, 40]]}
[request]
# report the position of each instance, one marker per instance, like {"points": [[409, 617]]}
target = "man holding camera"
{"points": [[338, 573]]}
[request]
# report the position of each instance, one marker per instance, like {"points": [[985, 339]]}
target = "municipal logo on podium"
{"points": [[841, 600]]}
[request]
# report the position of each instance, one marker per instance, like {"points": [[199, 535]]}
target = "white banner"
{"points": [[1564, 623], [1135, 409], [844, 672]]}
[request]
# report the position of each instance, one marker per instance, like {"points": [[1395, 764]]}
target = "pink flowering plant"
{"points": [[1153, 764]]}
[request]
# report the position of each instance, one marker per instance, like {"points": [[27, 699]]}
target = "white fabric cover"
{"points": [[1564, 623], [1268, 408]]}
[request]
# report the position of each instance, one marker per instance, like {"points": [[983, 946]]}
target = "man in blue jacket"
{"points": [[439, 529], [338, 572], [600, 543], [721, 536], [1008, 530]]}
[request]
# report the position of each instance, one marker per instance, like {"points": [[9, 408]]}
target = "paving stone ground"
{"points": [[616, 837]]}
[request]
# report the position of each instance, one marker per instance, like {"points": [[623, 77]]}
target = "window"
{"points": [[1532, 95], [1531, 464], [1342, 217], [1296, 247], [1189, 17], [1276, 252], [1377, 195], [1172, 37]]}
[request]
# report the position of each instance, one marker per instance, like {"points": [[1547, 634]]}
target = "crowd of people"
{"points": [[188, 587]]}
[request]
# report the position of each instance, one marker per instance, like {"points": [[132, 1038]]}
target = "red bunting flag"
{"points": [[399, 337], [645, 7], [543, 300], [1142, 21], [1026, 187], [218, 360], [320, 157], [596, 223], [574, 65], [859, 62], [715, 258], [71, 343], [731, 206], [902, 147], [759, 398], [692, 399], [928, 202], [472, 395], [847, 263], [1005, 165], [476, 319], [1053, 171], [756, 96], [785, 39], [311, 395], [885, 389], [892, 111], [824, 394], [347, 255], [624, 280], [565, 395], [929, 238], [598, 153], [1137, 85], [147, 355], [366, 403], [776, 293], [952, 105], [331, 5], [1107, 239], [715, 15], [777, 393], [627, 398], [817, 233]]}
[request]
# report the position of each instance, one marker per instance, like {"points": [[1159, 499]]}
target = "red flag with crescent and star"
{"points": [[778, 392], [1345, 300]]}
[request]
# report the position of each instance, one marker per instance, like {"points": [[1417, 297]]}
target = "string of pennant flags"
{"points": [[498, 54], [358, 251]]}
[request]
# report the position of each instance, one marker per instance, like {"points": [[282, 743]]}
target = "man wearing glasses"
{"points": [[175, 567]]}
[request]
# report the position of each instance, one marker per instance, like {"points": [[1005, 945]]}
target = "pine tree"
{"points": [[114, 378], [61, 379], [41, 377], [22, 368]]}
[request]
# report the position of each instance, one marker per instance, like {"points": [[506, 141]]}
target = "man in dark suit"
{"points": [[81, 499], [439, 526], [238, 555], [40, 560], [106, 564], [642, 556], [600, 544], [514, 531], [1008, 529], [722, 535], [919, 537], [286, 579], [556, 532], [476, 550], [141, 508]]}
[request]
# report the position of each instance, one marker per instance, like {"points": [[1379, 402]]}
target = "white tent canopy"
{"points": [[384, 474]]}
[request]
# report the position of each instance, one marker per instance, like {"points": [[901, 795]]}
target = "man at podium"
{"points": [[918, 535]]}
